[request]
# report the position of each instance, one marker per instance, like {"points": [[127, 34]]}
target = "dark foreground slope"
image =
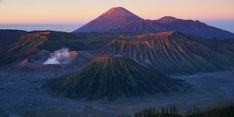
{"points": [[113, 77], [169, 52]]}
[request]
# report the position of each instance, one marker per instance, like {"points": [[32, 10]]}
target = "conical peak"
{"points": [[111, 20], [113, 78], [119, 11]]}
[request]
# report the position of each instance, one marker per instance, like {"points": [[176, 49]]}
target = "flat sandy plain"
{"points": [[22, 95]]}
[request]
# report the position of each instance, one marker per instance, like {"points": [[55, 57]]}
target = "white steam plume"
{"points": [[61, 56]]}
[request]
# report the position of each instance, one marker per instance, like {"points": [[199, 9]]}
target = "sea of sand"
{"points": [[22, 95]]}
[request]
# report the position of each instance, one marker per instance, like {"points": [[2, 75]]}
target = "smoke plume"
{"points": [[61, 56]]}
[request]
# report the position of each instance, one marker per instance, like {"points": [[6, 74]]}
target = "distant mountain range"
{"points": [[119, 19]]}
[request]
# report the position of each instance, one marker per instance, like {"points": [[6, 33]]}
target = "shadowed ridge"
{"points": [[167, 19], [194, 28], [10, 36], [112, 77]]}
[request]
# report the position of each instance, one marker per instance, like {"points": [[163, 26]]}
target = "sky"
{"points": [[218, 13]]}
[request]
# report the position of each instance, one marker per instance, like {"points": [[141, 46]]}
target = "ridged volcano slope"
{"points": [[168, 52], [112, 77], [26, 45]]}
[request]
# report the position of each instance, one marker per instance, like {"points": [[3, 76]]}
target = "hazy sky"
{"points": [[217, 12]]}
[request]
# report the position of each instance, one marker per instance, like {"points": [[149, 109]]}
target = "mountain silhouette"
{"points": [[194, 28]]}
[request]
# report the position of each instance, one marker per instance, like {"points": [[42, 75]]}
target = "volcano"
{"points": [[110, 77], [168, 52], [23, 47], [111, 20]]}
